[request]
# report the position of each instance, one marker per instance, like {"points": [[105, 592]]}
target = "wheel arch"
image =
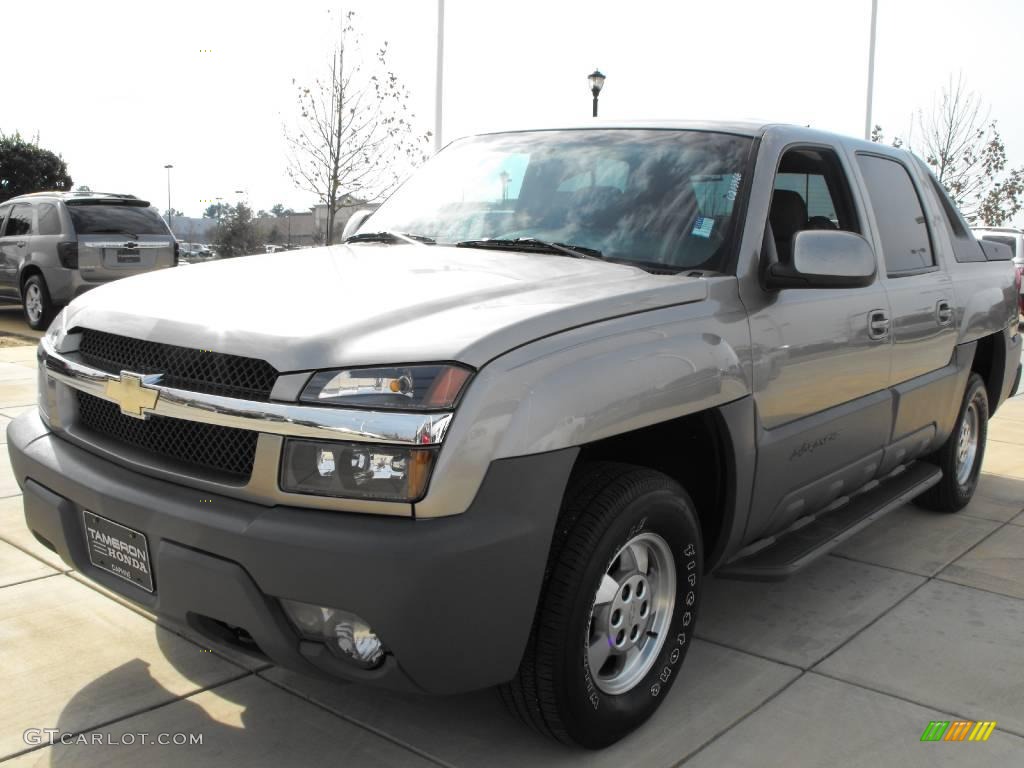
{"points": [[710, 453], [990, 363], [26, 272]]}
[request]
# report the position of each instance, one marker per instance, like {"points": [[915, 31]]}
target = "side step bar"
{"points": [[783, 555]]}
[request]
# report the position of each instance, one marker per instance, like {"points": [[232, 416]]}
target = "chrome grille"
{"points": [[215, 373], [223, 450]]}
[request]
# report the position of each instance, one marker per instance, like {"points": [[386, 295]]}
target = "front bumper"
{"points": [[453, 599]]}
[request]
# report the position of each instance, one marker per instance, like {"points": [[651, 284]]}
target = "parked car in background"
{"points": [[195, 252], [1014, 239], [503, 433], [56, 245]]}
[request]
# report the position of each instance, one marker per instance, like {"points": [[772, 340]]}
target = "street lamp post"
{"points": [[168, 167], [871, 70], [596, 80]]}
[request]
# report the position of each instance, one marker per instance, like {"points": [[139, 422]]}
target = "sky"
{"points": [[121, 89]]}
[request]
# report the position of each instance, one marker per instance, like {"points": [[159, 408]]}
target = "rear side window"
{"points": [[953, 217], [49, 219], [901, 222], [106, 219], [20, 221]]}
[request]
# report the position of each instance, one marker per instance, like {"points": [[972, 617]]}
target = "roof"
{"points": [[78, 195], [742, 128], [749, 128]]}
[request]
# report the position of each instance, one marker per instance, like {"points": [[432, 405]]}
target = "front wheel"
{"points": [[618, 608], [36, 303], [961, 455]]}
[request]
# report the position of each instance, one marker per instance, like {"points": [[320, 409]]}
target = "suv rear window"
{"points": [[109, 219]]}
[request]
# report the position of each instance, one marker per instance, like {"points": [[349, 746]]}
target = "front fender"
{"points": [[590, 383]]}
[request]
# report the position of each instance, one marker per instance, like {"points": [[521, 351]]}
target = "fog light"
{"points": [[343, 632]]}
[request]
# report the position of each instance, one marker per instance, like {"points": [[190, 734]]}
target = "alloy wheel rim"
{"points": [[34, 303], [631, 613], [967, 444]]}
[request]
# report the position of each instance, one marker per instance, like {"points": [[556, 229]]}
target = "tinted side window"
{"points": [[901, 222], [49, 219], [3, 215], [20, 221]]}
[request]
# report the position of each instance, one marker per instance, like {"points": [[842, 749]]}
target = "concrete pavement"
{"points": [[918, 618], [12, 321]]}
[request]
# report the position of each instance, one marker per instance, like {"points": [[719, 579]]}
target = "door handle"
{"points": [[944, 312], [878, 324], [21, 243]]}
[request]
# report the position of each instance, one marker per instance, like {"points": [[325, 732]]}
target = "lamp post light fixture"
{"points": [[596, 80], [168, 168]]}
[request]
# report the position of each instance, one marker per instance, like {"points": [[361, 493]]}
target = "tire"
{"points": [[36, 304], [608, 506], [960, 463]]}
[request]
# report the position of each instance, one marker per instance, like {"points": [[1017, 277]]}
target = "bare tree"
{"points": [[962, 144], [356, 135]]}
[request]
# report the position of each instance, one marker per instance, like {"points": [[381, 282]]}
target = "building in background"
{"points": [[188, 229]]}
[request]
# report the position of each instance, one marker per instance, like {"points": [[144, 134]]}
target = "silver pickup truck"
{"points": [[501, 436]]}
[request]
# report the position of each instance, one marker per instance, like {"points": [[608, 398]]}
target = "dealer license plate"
{"points": [[118, 550]]}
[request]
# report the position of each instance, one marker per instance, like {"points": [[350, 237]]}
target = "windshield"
{"points": [[95, 219], [662, 198]]}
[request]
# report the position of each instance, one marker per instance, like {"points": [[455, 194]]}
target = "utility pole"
{"points": [[871, 71], [168, 167], [439, 97]]}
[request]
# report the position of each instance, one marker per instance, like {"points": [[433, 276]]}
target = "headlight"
{"points": [[47, 387], [410, 387], [355, 470], [58, 328]]}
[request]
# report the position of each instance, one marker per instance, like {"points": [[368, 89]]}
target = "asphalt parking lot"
{"points": [[919, 618]]}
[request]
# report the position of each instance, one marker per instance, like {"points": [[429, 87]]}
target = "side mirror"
{"points": [[355, 221], [825, 259]]}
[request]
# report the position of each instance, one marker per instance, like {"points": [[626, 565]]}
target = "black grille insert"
{"points": [[223, 450], [214, 373]]}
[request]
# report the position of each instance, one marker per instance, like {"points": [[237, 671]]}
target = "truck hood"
{"points": [[370, 304]]}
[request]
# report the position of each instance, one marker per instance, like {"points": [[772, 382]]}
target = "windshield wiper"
{"points": [[533, 244], [390, 237]]}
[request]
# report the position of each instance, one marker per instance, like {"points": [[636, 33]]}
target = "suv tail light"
{"points": [[177, 252], [1020, 281], [68, 254]]}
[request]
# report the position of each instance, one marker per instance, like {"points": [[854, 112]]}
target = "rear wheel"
{"points": [[36, 303], [618, 608], [961, 455]]}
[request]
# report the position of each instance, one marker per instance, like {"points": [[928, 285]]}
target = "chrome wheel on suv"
{"points": [[631, 613], [967, 444], [960, 457]]}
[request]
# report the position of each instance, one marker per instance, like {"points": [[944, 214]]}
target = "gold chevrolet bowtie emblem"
{"points": [[131, 393]]}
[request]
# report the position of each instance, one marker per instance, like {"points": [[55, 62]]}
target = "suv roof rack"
{"points": [[65, 194]]}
